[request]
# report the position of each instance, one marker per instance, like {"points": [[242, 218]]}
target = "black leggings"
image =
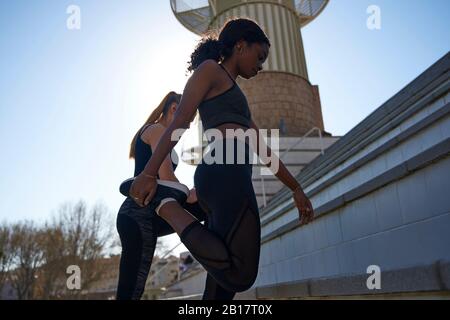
{"points": [[228, 248], [138, 231]]}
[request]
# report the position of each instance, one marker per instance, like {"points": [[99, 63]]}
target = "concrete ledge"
{"points": [[419, 279], [372, 155], [388, 126], [403, 105], [430, 85], [429, 120], [427, 278], [433, 154], [425, 158], [383, 179], [280, 231], [331, 205], [385, 147]]}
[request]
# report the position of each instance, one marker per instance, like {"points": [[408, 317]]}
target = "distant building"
{"points": [[191, 281], [163, 273], [106, 287]]}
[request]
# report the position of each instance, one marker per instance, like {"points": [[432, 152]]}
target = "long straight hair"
{"points": [[155, 117]]}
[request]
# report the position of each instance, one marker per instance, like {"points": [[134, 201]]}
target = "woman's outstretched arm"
{"points": [[282, 173], [198, 85]]}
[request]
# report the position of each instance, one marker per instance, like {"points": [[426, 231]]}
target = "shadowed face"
{"points": [[171, 112], [251, 58]]}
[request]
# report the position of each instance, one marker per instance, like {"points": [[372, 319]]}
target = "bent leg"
{"points": [[194, 209], [229, 248], [213, 291]]}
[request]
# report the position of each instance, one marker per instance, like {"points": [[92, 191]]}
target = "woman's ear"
{"points": [[173, 107], [240, 45]]}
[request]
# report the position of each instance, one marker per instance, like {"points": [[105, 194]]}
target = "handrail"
{"points": [[165, 255], [289, 149], [302, 138]]}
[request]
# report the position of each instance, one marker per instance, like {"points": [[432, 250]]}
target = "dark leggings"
{"points": [[228, 247], [138, 231]]}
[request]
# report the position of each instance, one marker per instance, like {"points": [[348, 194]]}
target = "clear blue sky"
{"points": [[70, 101]]}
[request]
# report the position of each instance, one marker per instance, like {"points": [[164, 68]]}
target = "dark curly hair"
{"points": [[220, 48]]}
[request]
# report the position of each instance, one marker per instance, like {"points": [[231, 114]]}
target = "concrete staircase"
{"points": [[295, 153]]}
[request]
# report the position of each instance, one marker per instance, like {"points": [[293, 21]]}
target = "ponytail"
{"points": [[155, 117], [208, 48]]}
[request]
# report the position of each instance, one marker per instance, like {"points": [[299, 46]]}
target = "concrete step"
{"points": [[270, 187], [268, 175], [312, 143], [296, 159]]}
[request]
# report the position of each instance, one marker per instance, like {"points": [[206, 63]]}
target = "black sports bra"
{"points": [[229, 106], [143, 153]]}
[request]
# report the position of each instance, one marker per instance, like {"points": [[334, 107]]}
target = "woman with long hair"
{"points": [[228, 246], [138, 227]]}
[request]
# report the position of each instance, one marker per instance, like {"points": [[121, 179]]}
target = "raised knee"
{"points": [[243, 281], [244, 286]]}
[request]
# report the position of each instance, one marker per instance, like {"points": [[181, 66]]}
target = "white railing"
{"points": [[163, 267], [285, 152]]}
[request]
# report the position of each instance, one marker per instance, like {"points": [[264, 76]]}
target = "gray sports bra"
{"points": [[229, 106]]}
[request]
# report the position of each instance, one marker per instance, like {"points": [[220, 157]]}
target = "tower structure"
{"points": [[281, 96]]}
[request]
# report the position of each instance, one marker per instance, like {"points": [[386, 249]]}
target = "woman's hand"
{"points": [[143, 189], [305, 209], [192, 196]]}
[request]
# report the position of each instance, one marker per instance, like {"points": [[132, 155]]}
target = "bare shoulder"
{"points": [[208, 68], [152, 133], [209, 65]]}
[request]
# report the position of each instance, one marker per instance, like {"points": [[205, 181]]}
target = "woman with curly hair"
{"points": [[228, 246]]}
